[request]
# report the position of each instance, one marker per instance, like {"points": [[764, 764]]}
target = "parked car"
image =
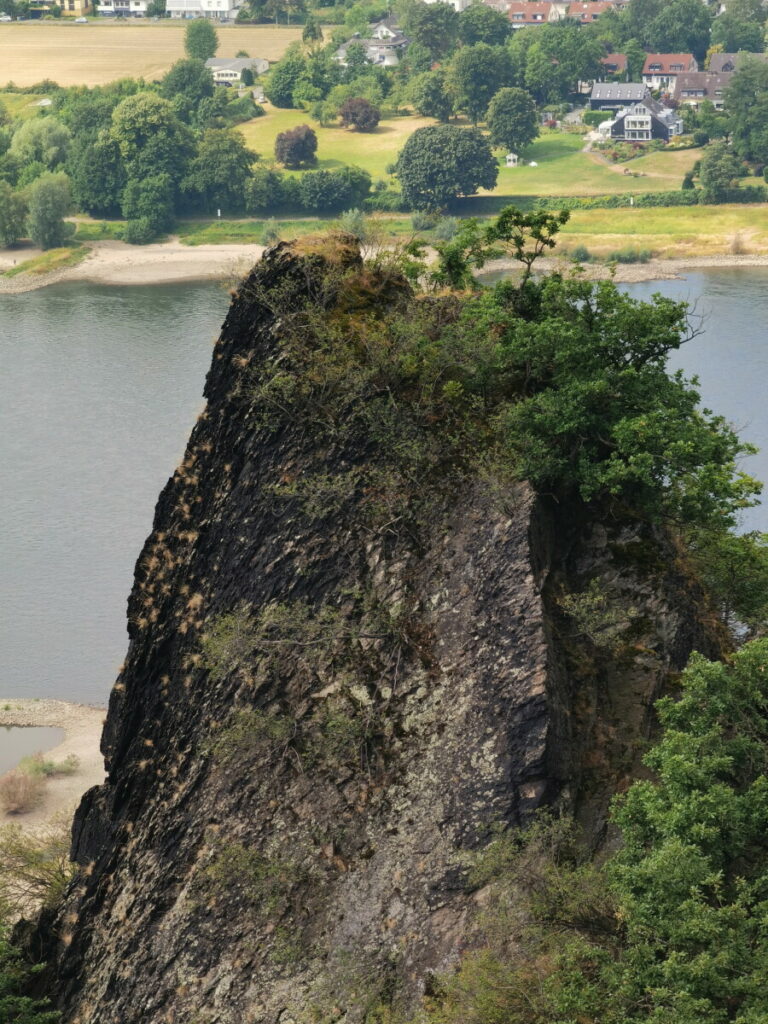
{"points": [[5, 17], [81, 21]]}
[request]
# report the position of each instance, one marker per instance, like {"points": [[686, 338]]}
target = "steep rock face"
{"points": [[292, 793]]}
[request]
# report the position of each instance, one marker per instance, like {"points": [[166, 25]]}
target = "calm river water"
{"points": [[100, 389]]}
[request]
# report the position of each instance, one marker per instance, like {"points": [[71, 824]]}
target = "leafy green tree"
{"points": [[98, 177], [13, 212], [733, 34], [479, 23], [151, 138], [156, 9], [48, 202], [635, 55], [217, 175], [434, 26], [512, 120], [734, 566], [186, 84], [682, 26], [430, 96], [263, 191], [151, 201], [41, 139], [475, 75], [200, 39], [440, 162], [284, 77], [313, 32], [720, 170], [416, 60], [16, 1008], [543, 78], [296, 147], [746, 100], [327, 191]]}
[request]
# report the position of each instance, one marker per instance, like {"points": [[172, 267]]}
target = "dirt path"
{"points": [[82, 725]]}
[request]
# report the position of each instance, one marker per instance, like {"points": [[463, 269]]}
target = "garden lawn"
{"points": [[101, 51], [373, 151], [670, 232]]}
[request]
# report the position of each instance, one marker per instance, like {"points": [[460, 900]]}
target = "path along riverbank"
{"points": [[116, 263], [82, 725]]}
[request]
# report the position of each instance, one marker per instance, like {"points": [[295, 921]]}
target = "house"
{"points": [[217, 10], [696, 86], [524, 13], [229, 70], [645, 121], [616, 95], [457, 5], [587, 13], [615, 64], [69, 8], [661, 69], [122, 8], [724, 62], [384, 47]]}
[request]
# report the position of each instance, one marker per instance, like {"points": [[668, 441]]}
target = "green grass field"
{"points": [[23, 105]]}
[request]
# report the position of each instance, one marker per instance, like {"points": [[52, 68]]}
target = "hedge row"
{"points": [[687, 197]]}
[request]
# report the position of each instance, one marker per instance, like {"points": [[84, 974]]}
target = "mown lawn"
{"points": [[373, 151]]}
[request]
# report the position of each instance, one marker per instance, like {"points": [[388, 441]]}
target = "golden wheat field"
{"points": [[95, 53]]}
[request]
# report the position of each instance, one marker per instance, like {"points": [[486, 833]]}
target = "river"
{"points": [[100, 389]]}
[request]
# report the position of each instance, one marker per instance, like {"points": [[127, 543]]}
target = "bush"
{"points": [[700, 138], [359, 113], [38, 766], [593, 118], [630, 256], [354, 223], [423, 221], [581, 254], [139, 231], [388, 201], [446, 228], [264, 191], [20, 792], [271, 232], [34, 868]]}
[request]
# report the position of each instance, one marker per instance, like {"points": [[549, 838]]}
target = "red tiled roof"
{"points": [[615, 60], [666, 63]]}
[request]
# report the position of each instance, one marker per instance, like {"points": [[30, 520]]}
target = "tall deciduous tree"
{"points": [[98, 177], [440, 162], [13, 212], [200, 39], [479, 23], [284, 77], [296, 147], [746, 99], [48, 202], [357, 112], [434, 25], [43, 140], [430, 96], [512, 120], [475, 74], [216, 177], [151, 138], [186, 84]]}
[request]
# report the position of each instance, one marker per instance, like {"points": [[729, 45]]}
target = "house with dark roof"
{"points": [[694, 87], [661, 69], [615, 95], [723, 62], [643, 122]]}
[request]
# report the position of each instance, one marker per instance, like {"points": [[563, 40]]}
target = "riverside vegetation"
{"points": [[439, 386]]}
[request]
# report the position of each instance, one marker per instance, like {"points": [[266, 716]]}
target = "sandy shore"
{"points": [[82, 725], [116, 263]]}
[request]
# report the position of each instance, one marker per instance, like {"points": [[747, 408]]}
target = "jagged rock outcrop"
{"points": [[291, 793]]}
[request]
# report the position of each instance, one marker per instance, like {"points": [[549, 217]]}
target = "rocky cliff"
{"points": [[328, 701]]}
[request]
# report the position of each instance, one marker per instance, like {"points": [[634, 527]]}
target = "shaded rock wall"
{"points": [[322, 869]]}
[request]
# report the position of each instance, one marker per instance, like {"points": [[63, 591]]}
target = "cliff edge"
{"points": [[351, 660]]}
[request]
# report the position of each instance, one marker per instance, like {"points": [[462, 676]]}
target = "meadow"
{"points": [[563, 169], [101, 52]]}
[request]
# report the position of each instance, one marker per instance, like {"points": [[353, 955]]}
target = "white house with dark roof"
{"points": [[661, 69], [216, 10]]}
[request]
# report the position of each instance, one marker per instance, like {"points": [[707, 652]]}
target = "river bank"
{"points": [[82, 725], [116, 264]]}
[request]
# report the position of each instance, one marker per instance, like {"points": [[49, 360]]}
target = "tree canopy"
{"points": [[512, 119], [200, 39], [440, 162]]}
